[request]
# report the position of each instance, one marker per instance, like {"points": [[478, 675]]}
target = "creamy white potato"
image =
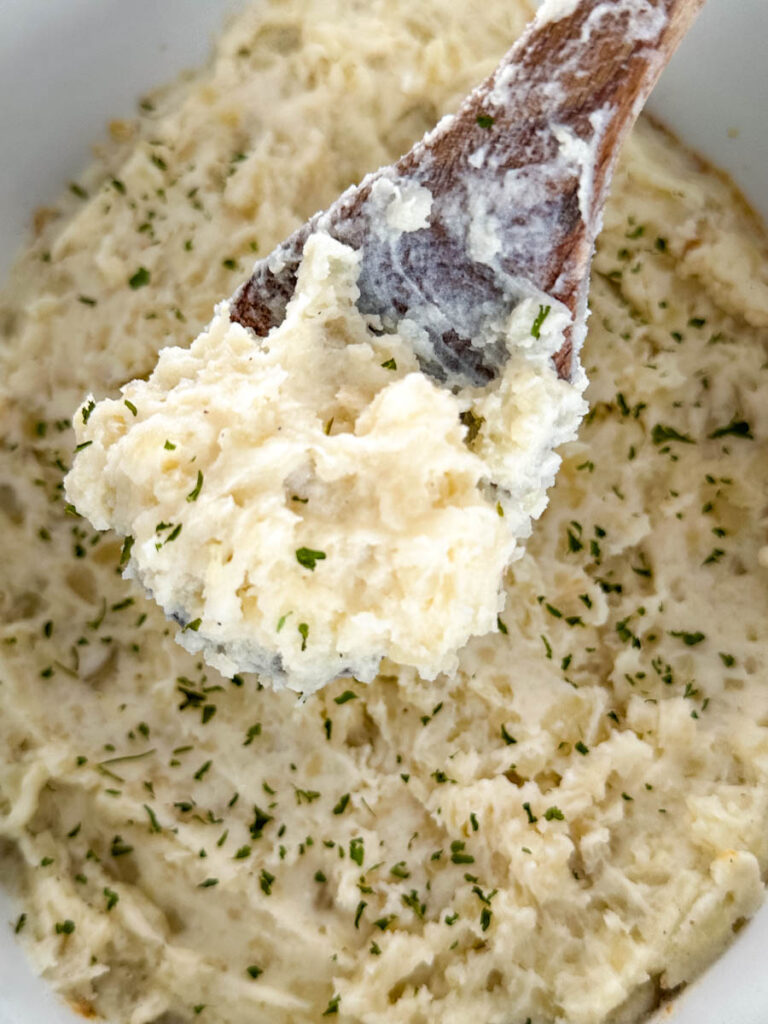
{"points": [[572, 821], [307, 504]]}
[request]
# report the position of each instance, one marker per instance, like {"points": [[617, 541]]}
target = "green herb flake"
{"points": [[502, 626], [65, 927], [412, 901], [357, 850], [125, 552], [485, 121], [333, 1007], [308, 558], [130, 407], [154, 824], [260, 821], [341, 806], [582, 748], [119, 848], [303, 629], [473, 423], [139, 279], [541, 316], [345, 697], [532, 819], [554, 814], [714, 556], [253, 732], [390, 364], [112, 899], [509, 740], [458, 856], [359, 912], [689, 639], [194, 494], [306, 796], [265, 882], [626, 634], [574, 543], [661, 434], [254, 971], [736, 428]]}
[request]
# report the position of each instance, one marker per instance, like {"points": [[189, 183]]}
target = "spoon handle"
{"points": [[563, 100]]}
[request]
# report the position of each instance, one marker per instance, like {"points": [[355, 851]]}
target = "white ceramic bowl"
{"points": [[67, 66]]}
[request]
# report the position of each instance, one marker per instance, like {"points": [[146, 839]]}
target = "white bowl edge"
{"points": [[714, 95]]}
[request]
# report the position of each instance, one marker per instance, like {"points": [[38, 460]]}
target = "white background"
{"points": [[68, 66]]}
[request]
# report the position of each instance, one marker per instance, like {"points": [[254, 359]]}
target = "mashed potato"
{"points": [[324, 503], [569, 824]]}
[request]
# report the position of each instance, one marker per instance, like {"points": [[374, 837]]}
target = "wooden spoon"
{"points": [[500, 203], [518, 179]]}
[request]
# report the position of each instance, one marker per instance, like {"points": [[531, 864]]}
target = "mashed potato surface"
{"points": [[567, 825]]}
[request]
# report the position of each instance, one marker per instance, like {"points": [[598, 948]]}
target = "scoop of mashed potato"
{"points": [[306, 503]]}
